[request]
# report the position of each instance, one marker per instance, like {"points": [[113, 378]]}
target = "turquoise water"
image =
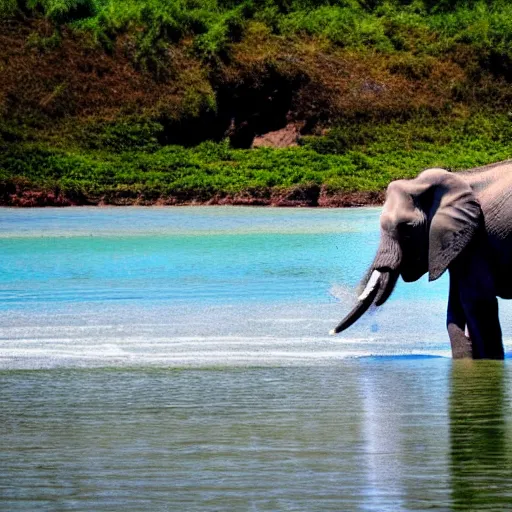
{"points": [[198, 286], [178, 359]]}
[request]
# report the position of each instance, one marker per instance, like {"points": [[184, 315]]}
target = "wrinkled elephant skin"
{"points": [[460, 222]]}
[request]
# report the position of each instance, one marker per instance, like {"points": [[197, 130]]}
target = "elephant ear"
{"points": [[455, 215]]}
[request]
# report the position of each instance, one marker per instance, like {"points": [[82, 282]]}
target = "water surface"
{"points": [[178, 359]]}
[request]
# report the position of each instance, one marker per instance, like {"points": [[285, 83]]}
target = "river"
{"points": [[179, 359]]}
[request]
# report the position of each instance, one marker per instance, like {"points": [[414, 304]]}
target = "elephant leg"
{"points": [[456, 323], [480, 306], [484, 328]]}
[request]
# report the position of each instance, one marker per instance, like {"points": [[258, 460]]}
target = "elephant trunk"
{"points": [[381, 283], [365, 300]]}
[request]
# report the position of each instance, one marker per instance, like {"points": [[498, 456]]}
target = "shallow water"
{"points": [[178, 359]]}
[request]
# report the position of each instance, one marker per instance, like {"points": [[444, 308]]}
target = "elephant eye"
{"points": [[405, 230]]}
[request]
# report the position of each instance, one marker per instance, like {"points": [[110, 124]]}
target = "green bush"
{"points": [[345, 26], [120, 136], [368, 160], [431, 27], [58, 11]]}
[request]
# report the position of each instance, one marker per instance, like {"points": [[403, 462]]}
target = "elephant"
{"points": [[460, 222]]}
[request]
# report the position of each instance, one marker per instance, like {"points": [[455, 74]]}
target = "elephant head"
{"points": [[425, 224]]}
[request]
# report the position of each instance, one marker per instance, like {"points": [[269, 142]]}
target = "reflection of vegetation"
{"points": [[96, 94], [481, 464]]}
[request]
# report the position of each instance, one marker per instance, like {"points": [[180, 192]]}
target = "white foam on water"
{"points": [[77, 336], [80, 348]]}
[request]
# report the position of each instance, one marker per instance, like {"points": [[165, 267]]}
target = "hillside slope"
{"points": [[122, 102]]}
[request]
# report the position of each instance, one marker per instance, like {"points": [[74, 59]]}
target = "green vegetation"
{"points": [[348, 159], [424, 26], [145, 100]]}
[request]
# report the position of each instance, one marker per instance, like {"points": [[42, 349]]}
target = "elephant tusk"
{"points": [[372, 283], [365, 300], [387, 285]]}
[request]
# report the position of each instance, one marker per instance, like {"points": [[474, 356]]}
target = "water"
{"points": [[178, 359]]}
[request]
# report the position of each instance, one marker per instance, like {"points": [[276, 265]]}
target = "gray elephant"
{"points": [[456, 221]]}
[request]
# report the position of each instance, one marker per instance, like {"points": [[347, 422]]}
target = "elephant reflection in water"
{"points": [[481, 462], [461, 222]]}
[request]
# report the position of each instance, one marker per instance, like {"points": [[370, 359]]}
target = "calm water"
{"points": [[178, 359]]}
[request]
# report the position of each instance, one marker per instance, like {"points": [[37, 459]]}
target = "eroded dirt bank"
{"points": [[299, 197]]}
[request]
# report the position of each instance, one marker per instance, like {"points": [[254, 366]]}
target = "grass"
{"points": [[348, 159], [390, 26]]}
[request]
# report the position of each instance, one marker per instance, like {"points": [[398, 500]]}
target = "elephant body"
{"points": [[460, 222], [492, 187]]}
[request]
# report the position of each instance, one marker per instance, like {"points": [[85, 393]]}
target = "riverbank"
{"points": [[347, 166], [297, 197]]}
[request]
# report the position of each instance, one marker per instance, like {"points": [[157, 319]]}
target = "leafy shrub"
{"points": [[353, 28], [58, 11], [385, 152], [428, 25], [121, 135]]}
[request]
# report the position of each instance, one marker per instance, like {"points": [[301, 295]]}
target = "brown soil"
{"points": [[268, 86], [76, 77], [284, 138], [312, 196]]}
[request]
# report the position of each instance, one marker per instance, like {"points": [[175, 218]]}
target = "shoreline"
{"points": [[312, 196]]}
